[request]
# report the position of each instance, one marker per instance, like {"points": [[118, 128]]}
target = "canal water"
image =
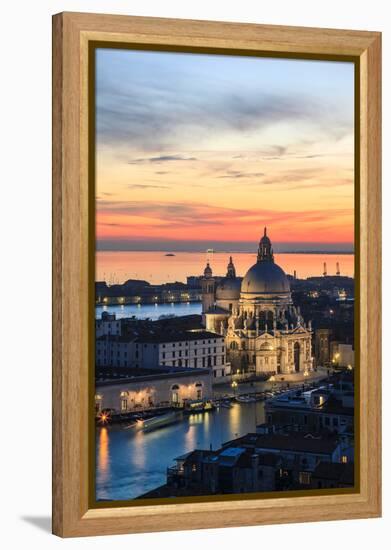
{"points": [[130, 464], [150, 311]]}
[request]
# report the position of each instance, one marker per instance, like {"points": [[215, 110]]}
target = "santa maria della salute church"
{"points": [[263, 331]]}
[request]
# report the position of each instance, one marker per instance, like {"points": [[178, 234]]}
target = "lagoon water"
{"points": [[157, 267]]}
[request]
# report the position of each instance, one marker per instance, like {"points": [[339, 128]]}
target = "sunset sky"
{"points": [[199, 151]]}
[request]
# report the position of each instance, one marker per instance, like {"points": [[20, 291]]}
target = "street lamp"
{"points": [[234, 386]]}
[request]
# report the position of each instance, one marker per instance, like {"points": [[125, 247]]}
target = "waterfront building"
{"points": [[263, 330], [227, 470], [165, 387], [328, 409], [136, 291], [253, 463], [153, 348]]}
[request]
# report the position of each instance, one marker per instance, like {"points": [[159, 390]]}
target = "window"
{"points": [[174, 397], [124, 404], [304, 478], [344, 459]]}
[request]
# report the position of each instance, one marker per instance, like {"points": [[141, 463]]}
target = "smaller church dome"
{"points": [[228, 289], [208, 271]]}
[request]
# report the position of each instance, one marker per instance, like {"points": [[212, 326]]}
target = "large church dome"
{"points": [[265, 277]]}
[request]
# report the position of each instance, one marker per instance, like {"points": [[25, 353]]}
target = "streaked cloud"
{"points": [[246, 142]]}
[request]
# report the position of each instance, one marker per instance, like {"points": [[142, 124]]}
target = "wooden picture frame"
{"points": [[73, 233]]}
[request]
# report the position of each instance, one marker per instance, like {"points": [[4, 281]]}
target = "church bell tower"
{"points": [[208, 289]]}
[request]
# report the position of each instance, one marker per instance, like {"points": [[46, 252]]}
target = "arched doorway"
{"points": [[175, 395], [296, 354]]}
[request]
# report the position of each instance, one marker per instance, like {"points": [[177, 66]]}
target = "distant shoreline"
{"points": [[312, 252]]}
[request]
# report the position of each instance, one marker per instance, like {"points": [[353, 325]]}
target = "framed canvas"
{"points": [[216, 274]]}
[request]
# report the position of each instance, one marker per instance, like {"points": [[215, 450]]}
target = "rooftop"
{"points": [[296, 442], [123, 376], [145, 335]]}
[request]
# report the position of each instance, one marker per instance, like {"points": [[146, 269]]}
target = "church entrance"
{"points": [[296, 351]]}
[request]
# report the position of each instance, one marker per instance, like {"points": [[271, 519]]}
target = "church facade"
{"points": [[263, 331]]}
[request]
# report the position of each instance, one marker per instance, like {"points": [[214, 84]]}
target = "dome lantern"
{"points": [[265, 251], [208, 271], [231, 271]]}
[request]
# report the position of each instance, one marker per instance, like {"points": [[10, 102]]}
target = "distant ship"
{"points": [[169, 254], [210, 251]]}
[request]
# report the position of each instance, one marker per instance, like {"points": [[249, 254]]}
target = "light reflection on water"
{"points": [[132, 463]]}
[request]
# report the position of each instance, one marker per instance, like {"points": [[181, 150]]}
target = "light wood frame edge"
{"points": [[71, 514]]}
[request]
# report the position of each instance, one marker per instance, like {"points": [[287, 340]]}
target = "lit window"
{"points": [[304, 478], [344, 459]]}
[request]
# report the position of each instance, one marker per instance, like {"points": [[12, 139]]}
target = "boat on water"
{"points": [[170, 254], [155, 422], [198, 406], [226, 404], [245, 399]]}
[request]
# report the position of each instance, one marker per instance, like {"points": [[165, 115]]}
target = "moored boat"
{"points": [[198, 406], [245, 399]]}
